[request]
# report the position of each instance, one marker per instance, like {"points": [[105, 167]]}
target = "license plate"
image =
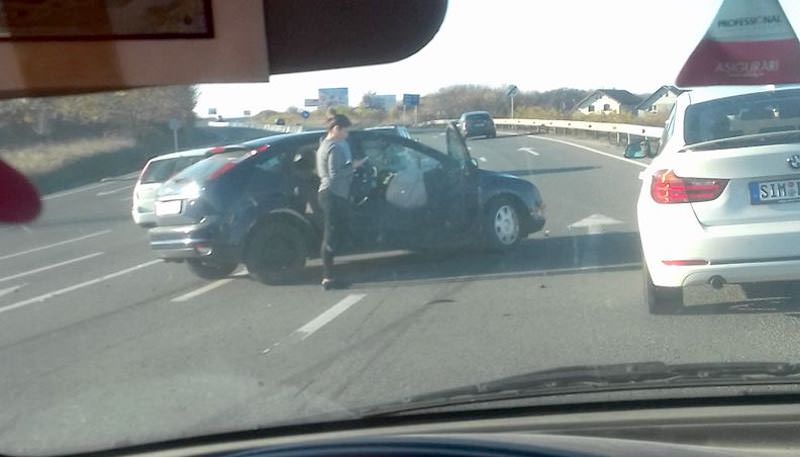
{"points": [[168, 208], [782, 191]]}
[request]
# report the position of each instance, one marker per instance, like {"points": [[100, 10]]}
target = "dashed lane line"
{"points": [[56, 293], [59, 243]]}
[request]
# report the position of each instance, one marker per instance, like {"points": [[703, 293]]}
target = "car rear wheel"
{"points": [[210, 270], [276, 253], [661, 300], [502, 225]]}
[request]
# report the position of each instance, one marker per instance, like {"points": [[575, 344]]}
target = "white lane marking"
{"points": [[207, 288], [529, 151], [482, 159], [50, 267], [113, 191], [130, 175], [65, 290], [74, 191], [587, 148], [329, 315], [60, 243], [12, 289], [126, 199]]}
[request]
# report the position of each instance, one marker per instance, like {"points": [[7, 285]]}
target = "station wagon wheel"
{"points": [[276, 253], [503, 224]]}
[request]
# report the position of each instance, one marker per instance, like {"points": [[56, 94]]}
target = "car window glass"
{"points": [[765, 112], [157, 171]]}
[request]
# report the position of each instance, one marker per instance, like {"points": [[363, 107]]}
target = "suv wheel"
{"points": [[210, 270], [275, 254], [502, 224], [661, 300]]}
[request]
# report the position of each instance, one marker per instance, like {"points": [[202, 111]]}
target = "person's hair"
{"points": [[336, 120]]}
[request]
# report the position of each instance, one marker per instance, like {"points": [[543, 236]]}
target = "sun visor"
{"points": [[72, 46], [750, 42]]}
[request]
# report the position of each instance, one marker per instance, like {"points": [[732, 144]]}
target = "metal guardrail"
{"points": [[283, 128], [603, 127], [567, 124]]}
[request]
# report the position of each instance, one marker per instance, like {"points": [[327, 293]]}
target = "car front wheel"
{"points": [[661, 300], [276, 253], [210, 270], [502, 225]]}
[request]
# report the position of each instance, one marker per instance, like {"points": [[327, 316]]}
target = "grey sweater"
{"points": [[335, 167]]}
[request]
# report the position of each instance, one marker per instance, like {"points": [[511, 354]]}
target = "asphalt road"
{"points": [[103, 345]]}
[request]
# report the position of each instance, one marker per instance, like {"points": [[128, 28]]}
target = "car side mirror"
{"points": [[634, 151], [474, 162]]}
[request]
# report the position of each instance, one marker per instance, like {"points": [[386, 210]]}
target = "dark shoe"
{"points": [[334, 284]]}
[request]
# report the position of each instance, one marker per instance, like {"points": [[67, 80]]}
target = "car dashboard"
{"points": [[707, 431]]}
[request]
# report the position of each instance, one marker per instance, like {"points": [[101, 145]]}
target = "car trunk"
{"points": [[190, 196], [762, 187]]}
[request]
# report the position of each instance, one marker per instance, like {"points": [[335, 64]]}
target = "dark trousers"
{"points": [[336, 212]]}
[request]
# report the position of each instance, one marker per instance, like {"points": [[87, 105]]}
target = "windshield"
{"points": [[507, 212], [768, 112], [478, 117]]}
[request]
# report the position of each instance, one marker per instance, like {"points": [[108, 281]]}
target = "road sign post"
{"points": [[511, 92], [410, 100], [175, 125]]}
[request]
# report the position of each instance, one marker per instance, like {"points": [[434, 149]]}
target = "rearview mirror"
{"points": [[634, 151]]}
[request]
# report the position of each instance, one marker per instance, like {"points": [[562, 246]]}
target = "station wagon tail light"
{"points": [[667, 187], [262, 148], [216, 150]]}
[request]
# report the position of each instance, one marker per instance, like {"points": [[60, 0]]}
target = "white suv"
{"points": [[719, 202]]}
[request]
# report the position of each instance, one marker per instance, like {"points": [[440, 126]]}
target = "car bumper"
{"points": [[741, 253], [143, 218], [185, 242], [533, 221], [739, 273]]}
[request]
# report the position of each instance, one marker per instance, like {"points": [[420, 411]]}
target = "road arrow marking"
{"points": [[528, 150], [594, 224]]}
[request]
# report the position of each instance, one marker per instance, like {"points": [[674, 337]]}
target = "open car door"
{"points": [[462, 183]]}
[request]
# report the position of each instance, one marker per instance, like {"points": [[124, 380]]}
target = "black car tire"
{"points": [[502, 226], [209, 269], [661, 300], [493, 134], [275, 254]]}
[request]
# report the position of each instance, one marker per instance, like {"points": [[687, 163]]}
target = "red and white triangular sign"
{"points": [[749, 42]]}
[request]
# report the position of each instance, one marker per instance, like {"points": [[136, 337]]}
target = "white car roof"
{"points": [[179, 154], [704, 94]]}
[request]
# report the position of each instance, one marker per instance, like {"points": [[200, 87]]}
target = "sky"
{"points": [[637, 45]]}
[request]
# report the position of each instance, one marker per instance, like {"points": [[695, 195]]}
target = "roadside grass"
{"points": [[47, 157], [59, 165]]}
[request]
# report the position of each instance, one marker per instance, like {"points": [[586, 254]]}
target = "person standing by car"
{"points": [[335, 169]]}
